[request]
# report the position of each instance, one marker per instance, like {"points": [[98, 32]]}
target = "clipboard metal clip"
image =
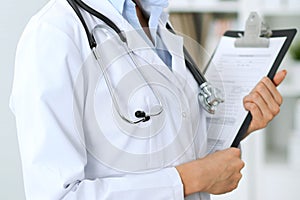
{"points": [[256, 33]]}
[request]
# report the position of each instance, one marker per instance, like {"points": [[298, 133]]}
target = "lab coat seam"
{"points": [[44, 11], [41, 19]]}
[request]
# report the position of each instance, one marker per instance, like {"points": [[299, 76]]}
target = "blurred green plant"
{"points": [[295, 50]]}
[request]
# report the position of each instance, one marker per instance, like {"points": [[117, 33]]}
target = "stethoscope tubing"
{"points": [[109, 84], [199, 77], [208, 95]]}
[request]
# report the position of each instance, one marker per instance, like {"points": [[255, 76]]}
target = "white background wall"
{"points": [[13, 17]]}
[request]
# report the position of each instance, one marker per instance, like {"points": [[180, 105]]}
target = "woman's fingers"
{"points": [[279, 77], [264, 101]]}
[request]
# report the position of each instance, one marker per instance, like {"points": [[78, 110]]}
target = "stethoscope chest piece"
{"points": [[210, 97]]}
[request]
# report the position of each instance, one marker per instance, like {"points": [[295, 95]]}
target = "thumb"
{"points": [[279, 77]]}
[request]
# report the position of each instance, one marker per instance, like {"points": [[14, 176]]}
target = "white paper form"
{"points": [[236, 71]]}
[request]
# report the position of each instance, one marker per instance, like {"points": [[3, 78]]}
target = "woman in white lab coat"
{"points": [[73, 144]]}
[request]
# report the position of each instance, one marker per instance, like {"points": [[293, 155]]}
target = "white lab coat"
{"points": [[62, 157]]}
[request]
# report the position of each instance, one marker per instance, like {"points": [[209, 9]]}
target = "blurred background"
{"points": [[272, 157]]}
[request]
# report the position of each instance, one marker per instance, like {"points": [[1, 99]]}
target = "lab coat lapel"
{"points": [[174, 45], [143, 50]]}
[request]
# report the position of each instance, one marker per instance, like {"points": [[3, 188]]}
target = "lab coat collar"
{"points": [[118, 4], [106, 8]]}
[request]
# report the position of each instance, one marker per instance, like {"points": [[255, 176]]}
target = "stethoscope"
{"points": [[209, 96]]}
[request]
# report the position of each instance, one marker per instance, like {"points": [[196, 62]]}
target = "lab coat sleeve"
{"points": [[53, 155]]}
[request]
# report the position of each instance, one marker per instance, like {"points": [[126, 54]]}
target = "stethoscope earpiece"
{"points": [[142, 114]]}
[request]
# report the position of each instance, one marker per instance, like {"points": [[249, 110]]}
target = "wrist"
{"points": [[190, 174]]}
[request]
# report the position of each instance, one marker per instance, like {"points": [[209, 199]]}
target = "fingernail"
{"points": [[285, 72]]}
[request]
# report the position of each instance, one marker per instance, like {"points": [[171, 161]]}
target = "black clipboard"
{"points": [[289, 34]]}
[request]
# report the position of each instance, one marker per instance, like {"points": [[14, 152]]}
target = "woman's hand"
{"points": [[264, 101], [217, 173]]}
